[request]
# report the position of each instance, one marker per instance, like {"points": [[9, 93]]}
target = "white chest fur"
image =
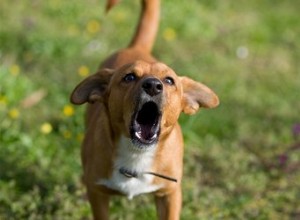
{"points": [[134, 160]]}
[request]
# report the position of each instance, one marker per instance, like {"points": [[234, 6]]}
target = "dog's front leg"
{"points": [[100, 205], [169, 206]]}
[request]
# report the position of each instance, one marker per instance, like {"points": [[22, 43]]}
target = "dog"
{"points": [[133, 143]]}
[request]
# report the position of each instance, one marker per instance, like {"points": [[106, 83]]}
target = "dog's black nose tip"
{"points": [[152, 86]]}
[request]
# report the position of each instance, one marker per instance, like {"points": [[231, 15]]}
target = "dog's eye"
{"points": [[169, 80], [129, 77]]}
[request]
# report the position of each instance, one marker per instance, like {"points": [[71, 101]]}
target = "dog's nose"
{"points": [[152, 86]]}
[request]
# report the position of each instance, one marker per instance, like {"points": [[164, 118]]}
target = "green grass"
{"points": [[242, 159]]}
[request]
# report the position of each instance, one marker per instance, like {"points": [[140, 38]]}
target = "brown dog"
{"points": [[133, 143]]}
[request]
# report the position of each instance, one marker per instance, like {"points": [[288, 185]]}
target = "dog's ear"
{"points": [[92, 88], [196, 95]]}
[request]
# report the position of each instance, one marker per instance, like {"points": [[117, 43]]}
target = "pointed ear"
{"points": [[92, 88], [196, 95]]}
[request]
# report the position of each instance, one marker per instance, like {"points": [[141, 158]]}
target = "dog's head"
{"points": [[144, 100]]}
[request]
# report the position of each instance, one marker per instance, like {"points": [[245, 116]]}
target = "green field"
{"points": [[242, 159]]}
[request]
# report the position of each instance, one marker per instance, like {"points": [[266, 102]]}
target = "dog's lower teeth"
{"points": [[138, 134]]}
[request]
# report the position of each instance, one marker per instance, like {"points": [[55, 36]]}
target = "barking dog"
{"points": [[133, 142]]}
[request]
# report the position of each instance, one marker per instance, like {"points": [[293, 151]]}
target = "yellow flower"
{"points": [[67, 134], [83, 71], [169, 34], [68, 110], [3, 100], [14, 70], [14, 113], [46, 128], [93, 26]]}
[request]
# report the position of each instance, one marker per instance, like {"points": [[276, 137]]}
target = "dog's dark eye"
{"points": [[129, 77], [169, 80]]}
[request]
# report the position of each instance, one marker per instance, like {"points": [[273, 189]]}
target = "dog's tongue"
{"points": [[148, 132]]}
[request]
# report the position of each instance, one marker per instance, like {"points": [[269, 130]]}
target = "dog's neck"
{"points": [[139, 161], [139, 154], [132, 170]]}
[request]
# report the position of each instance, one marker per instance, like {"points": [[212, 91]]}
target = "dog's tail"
{"points": [[146, 30]]}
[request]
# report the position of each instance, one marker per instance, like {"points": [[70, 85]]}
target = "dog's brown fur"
{"points": [[118, 91]]}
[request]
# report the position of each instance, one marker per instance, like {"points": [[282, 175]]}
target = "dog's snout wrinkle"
{"points": [[152, 86]]}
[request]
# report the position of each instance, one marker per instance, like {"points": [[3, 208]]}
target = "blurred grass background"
{"points": [[242, 159]]}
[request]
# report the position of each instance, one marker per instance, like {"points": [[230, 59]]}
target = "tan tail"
{"points": [[146, 30]]}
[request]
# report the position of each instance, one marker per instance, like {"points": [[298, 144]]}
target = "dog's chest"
{"points": [[134, 161]]}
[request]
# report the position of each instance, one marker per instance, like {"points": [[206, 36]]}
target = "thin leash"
{"points": [[132, 174]]}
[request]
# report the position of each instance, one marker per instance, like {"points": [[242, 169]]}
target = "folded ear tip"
{"points": [[94, 97], [190, 111], [76, 102], [76, 99], [191, 108], [215, 102]]}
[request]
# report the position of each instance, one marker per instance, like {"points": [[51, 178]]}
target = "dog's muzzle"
{"points": [[145, 127]]}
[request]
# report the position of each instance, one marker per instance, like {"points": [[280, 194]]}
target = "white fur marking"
{"points": [[134, 160]]}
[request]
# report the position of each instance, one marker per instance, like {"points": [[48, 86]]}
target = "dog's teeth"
{"points": [[154, 136], [138, 134]]}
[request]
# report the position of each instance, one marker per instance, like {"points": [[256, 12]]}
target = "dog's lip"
{"points": [[146, 124]]}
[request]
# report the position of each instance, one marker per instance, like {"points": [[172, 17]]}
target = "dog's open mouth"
{"points": [[146, 124]]}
